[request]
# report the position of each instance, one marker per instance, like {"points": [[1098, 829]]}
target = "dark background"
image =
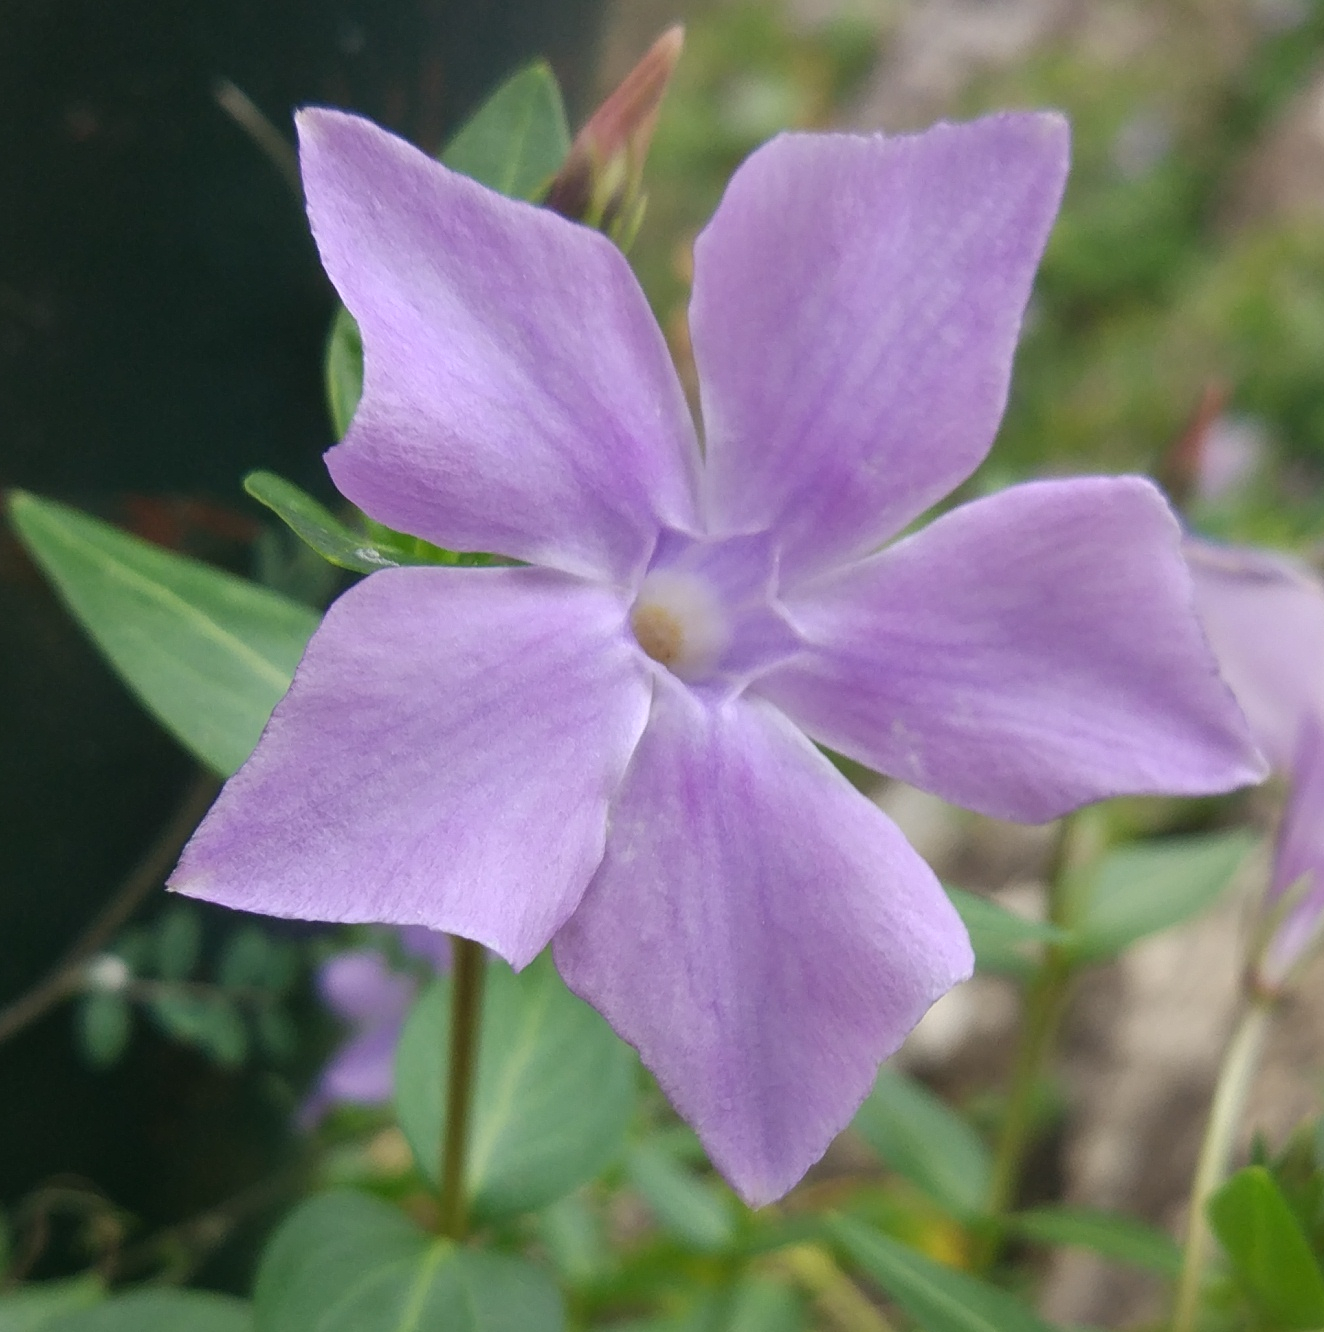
{"points": [[162, 319]]}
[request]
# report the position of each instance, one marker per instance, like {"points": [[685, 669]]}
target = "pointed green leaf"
{"points": [[535, 1133], [345, 1262], [1143, 888], [516, 141], [1268, 1250], [936, 1297], [343, 368], [1003, 941], [925, 1141], [1121, 1239], [207, 653], [160, 1311], [315, 524]]}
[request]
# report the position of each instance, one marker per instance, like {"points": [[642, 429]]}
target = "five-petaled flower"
{"points": [[1264, 614], [611, 748]]}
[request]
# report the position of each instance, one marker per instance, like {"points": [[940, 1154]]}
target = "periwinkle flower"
{"points": [[612, 748], [1264, 615], [372, 998]]}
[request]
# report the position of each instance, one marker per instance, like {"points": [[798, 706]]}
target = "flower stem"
{"points": [[468, 966], [1234, 1079], [1045, 1003]]}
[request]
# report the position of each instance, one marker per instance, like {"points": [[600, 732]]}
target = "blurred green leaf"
{"points": [[1268, 1250], [936, 1297], [1001, 939], [345, 1262], [690, 1208], [572, 1233], [759, 1304], [315, 524], [925, 1141], [36, 1307], [160, 1311], [105, 1022], [178, 941], [516, 141], [207, 653], [1143, 888], [1121, 1239], [343, 370], [248, 960], [534, 1132], [208, 1022]]}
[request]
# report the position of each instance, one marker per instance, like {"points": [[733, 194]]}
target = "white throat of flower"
{"points": [[680, 622]]}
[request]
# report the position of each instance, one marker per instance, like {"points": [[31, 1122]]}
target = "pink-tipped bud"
{"points": [[601, 180]]}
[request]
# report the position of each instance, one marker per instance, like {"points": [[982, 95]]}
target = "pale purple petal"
{"points": [[1022, 655], [358, 986], [518, 395], [759, 931], [445, 757], [856, 306], [1264, 615], [1299, 863]]}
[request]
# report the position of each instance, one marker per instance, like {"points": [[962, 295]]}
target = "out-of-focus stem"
{"points": [[1234, 1080], [1044, 1005], [468, 966]]}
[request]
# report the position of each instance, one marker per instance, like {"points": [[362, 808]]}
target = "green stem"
{"points": [[1043, 1009], [468, 964], [1234, 1080], [1045, 1003]]}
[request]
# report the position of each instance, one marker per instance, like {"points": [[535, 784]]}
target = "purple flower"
{"points": [[613, 748], [1264, 615], [372, 998]]}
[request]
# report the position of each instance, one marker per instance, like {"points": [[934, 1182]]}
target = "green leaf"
{"points": [[248, 960], [1121, 1239], [759, 1304], [35, 1307], [925, 1141], [105, 1022], [161, 1311], [1001, 939], [178, 941], [345, 1262], [315, 524], [690, 1208], [207, 1021], [937, 1298], [1268, 1250], [1143, 888], [516, 141], [207, 653], [343, 370], [535, 1132]]}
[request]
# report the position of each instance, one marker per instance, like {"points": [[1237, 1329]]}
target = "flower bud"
{"points": [[601, 180]]}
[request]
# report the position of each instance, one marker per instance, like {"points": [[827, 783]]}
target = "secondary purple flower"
{"points": [[613, 749], [1264, 615], [372, 998]]}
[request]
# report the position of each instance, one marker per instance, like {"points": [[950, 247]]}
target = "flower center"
{"points": [[680, 622]]}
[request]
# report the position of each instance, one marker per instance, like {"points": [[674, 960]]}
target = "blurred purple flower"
{"points": [[614, 748], [372, 998], [1264, 615]]}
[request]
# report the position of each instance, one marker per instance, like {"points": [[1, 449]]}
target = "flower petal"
{"points": [[1022, 655], [1264, 615], [856, 307], [1299, 861], [518, 396], [445, 757], [760, 932]]}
